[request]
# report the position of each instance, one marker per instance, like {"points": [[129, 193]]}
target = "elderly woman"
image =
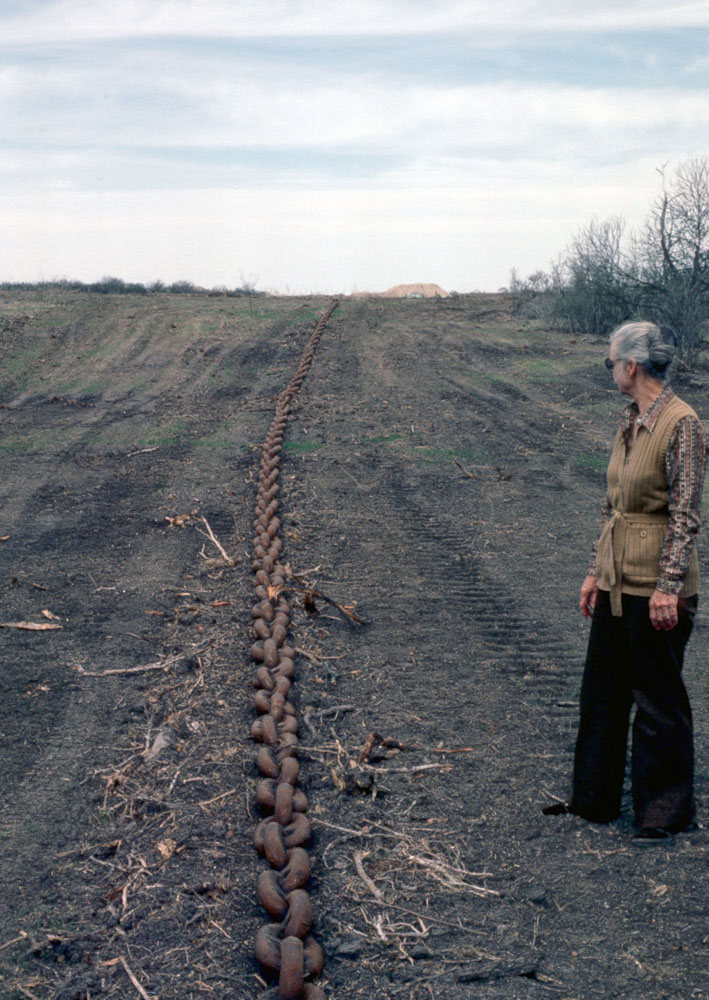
{"points": [[641, 593]]}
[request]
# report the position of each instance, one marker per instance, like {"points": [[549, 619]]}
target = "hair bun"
{"points": [[661, 348], [661, 354]]}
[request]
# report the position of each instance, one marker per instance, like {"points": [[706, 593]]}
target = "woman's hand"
{"points": [[589, 593], [663, 610]]}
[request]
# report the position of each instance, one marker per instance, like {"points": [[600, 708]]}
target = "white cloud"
{"points": [[698, 66], [404, 121], [65, 20], [133, 146], [160, 92]]}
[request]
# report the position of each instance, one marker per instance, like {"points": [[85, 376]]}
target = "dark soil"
{"points": [[443, 474]]}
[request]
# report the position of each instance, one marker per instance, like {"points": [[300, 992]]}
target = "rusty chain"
{"points": [[285, 947]]}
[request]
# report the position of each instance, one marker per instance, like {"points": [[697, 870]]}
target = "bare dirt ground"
{"points": [[443, 473]]}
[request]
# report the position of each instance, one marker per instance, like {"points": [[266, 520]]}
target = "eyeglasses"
{"points": [[610, 363]]}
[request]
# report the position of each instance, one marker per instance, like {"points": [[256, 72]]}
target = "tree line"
{"points": [[609, 274], [116, 286]]}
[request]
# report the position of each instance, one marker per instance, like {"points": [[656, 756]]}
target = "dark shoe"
{"points": [[558, 809], [566, 809], [658, 834], [652, 835]]}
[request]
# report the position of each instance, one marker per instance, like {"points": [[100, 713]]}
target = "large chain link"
{"points": [[285, 947]]}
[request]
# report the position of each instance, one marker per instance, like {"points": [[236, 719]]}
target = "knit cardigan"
{"points": [[631, 542]]}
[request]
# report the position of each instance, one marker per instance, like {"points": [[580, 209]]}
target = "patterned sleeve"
{"points": [[684, 464], [593, 565]]}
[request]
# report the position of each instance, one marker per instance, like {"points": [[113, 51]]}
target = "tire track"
{"points": [[463, 591]]}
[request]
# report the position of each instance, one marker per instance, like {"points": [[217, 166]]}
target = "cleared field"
{"points": [[442, 473]]}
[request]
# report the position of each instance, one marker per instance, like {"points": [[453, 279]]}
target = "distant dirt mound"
{"points": [[421, 291]]}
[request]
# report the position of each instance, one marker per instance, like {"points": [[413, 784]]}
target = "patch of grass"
{"points": [[77, 387], [427, 453], [41, 440], [105, 348], [384, 438], [24, 367], [174, 432], [539, 366], [469, 378], [547, 368], [302, 447], [222, 440], [598, 462], [17, 447]]}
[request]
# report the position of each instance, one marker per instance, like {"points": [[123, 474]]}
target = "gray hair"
{"points": [[644, 343]]}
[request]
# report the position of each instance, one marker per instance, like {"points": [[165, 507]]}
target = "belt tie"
{"points": [[618, 528]]}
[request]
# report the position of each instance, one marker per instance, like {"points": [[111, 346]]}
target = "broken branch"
{"points": [[359, 865], [157, 665], [470, 475], [132, 977], [213, 538], [31, 626], [224, 795]]}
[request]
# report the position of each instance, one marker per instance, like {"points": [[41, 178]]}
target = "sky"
{"points": [[304, 146]]}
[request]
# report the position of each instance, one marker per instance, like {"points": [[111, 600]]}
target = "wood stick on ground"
{"points": [[404, 770], [347, 612], [359, 865], [157, 665], [132, 977], [366, 489], [224, 795], [32, 996], [333, 710], [14, 941], [355, 833], [31, 626], [213, 538], [429, 919], [306, 723], [470, 475]]}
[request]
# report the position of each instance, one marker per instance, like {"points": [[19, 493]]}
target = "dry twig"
{"points": [[7, 944], [157, 665], [466, 928], [359, 865], [131, 976], [213, 538], [31, 626], [406, 770], [470, 475], [224, 795], [333, 710], [32, 996]]}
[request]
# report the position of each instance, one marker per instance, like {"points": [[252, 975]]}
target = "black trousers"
{"points": [[630, 662]]}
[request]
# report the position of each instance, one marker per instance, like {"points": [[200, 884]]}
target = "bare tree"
{"points": [[673, 256], [596, 289], [661, 273]]}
